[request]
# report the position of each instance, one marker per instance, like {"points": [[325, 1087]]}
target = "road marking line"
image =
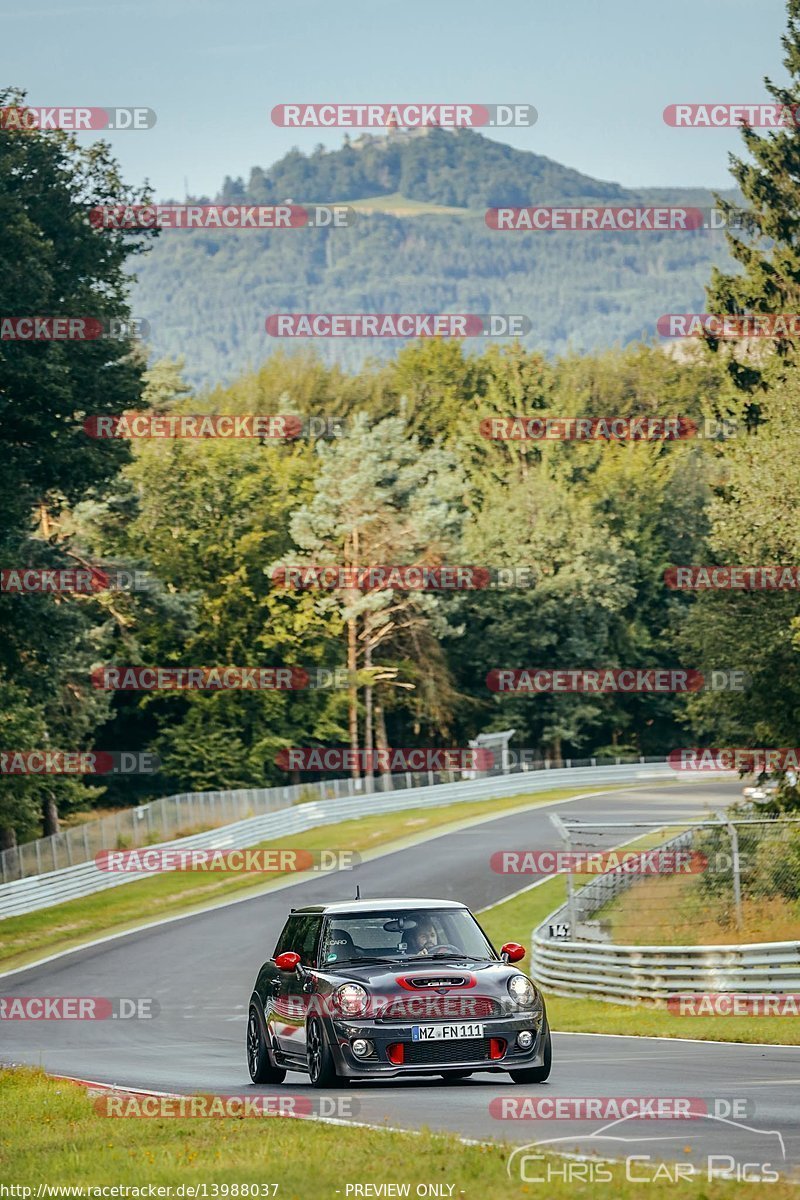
{"points": [[662, 1037]]}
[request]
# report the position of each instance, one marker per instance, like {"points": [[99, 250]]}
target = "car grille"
{"points": [[441, 1008], [422, 1053]]}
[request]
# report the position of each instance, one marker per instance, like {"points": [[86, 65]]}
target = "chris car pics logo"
{"points": [[619, 1151]]}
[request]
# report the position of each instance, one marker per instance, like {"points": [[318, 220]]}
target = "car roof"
{"points": [[380, 904]]}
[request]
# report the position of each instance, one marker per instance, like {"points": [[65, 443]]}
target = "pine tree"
{"points": [[763, 235]]}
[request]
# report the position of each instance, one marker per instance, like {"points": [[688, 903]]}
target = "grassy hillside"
{"points": [[419, 243]]}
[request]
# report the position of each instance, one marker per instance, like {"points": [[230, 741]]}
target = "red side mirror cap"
{"points": [[288, 961], [513, 952]]}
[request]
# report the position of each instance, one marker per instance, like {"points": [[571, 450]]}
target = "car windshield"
{"points": [[396, 935]]}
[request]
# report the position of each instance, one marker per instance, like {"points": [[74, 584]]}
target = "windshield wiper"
{"points": [[440, 957]]}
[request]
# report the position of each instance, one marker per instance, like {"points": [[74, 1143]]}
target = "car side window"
{"points": [[307, 938], [288, 937], [300, 934]]}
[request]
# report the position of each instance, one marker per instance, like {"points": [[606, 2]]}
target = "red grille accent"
{"points": [[497, 1047], [440, 1008]]}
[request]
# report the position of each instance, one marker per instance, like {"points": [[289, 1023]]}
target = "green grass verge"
{"points": [[674, 910], [396, 204], [53, 1135], [513, 920], [33, 935]]}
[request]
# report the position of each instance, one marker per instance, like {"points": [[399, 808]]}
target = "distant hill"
{"points": [[420, 244]]}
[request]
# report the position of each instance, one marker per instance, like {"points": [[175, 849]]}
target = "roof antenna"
{"points": [[358, 892]]}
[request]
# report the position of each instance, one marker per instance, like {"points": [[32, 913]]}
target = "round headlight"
{"points": [[351, 999], [522, 991]]}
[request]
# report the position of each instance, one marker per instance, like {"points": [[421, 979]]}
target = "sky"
{"points": [[599, 75]]}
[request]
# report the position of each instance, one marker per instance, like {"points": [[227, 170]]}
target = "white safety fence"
{"points": [[637, 974], [55, 887], [570, 958]]}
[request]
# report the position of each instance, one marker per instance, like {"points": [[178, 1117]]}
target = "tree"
{"points": [[763, 235], [582, 582], [53, 262], [379, 498], [754, 521], [207, 517]]}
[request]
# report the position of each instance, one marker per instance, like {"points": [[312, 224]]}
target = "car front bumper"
{"points": [[436, 1057]]}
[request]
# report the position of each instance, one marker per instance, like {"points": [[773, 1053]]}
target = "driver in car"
{"points": [[423, 938]]}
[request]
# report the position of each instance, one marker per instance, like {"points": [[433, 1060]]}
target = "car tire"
{"points": [[259, 1060], [537, 1074], [321, 1067]]}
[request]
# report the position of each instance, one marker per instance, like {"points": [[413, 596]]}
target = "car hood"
{"points": [[403, 977]]}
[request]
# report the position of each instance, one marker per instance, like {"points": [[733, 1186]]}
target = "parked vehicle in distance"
{"points": [[761, 793], [369, 989]]}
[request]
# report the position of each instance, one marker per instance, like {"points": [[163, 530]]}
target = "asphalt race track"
{"points": [[201, 969]]}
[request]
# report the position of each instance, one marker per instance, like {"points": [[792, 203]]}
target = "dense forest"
{"points": [[450, 167]]}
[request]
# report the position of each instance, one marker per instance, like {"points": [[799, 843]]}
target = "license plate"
{"points": [[445, 1033]]}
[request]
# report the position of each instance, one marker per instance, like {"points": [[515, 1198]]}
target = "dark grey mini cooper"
{"points": [[380, 988]]}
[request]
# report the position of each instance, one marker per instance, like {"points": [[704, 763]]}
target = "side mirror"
{"points": [[288, 961], [512, 952]]}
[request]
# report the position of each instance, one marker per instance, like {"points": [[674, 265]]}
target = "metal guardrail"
{"points": [[190, 812], [54, 887], [156, 821], [636, 974], [642, 974]]}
